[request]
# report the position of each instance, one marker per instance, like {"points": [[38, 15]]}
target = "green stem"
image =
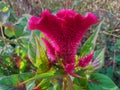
{"points": [[27, 81]]}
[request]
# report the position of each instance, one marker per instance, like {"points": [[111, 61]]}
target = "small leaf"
{"points": [[37, 53], [20, 27], [14, 80], [81, 82], [117, 42], [99, 61], [30, 85], [101, 82], [3, 87], [50, 74], [31, 54], [76, 87], [5, 9], [2, 5], [89, 45], [117, 58], [44, 84], [9, 32]]}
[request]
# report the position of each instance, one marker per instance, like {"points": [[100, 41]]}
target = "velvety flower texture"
{"points": [[83, 62], [64, 31]]}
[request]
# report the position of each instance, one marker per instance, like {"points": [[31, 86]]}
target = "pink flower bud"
{"points": [[83, 62], [69, 68]]}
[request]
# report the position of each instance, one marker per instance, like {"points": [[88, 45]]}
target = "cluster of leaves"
{"points": [[24, 64], [13, 42]]}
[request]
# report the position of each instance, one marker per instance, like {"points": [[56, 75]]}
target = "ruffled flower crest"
{"points": [[64, 31]]}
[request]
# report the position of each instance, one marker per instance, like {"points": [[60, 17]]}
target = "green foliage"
{"points": [[111, 67], [76, 87], [101, 82], [14, 80], [49, 74], [13, 43], [99, 60], [23, 51], [38, 57], [89, 45], [30, 85], [80, 83], [3, 87], [44, 77], [45, 84]]}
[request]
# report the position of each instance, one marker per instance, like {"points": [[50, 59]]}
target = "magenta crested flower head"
{"points": [[64, 32]]}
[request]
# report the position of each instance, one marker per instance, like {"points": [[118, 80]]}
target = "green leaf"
{"points": [[40, 52], [30, 85], [31, 54], [38, 57], [56, 86], [14, 80], [50, 88], [117, 58], [96, 53], [81, 82], [2, 5], [50, 74], [8, 49], [76, 87], [44, 84], [99, 61], [118, 42], [110, 71], [89, 45], [9, 32], [20, 27], [3, 87], [18, 30], [101, 82]]}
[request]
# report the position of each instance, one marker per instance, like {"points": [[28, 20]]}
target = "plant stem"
{"points": [[70, 85], [2, 33], [64, 86], [67, 83], [41, 4], [76, 75], [117, 36], [9, 3], [26, 81]]}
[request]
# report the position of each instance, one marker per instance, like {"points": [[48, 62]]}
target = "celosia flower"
{"points": [[64, 31], [83, 62], [69, 67]]}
